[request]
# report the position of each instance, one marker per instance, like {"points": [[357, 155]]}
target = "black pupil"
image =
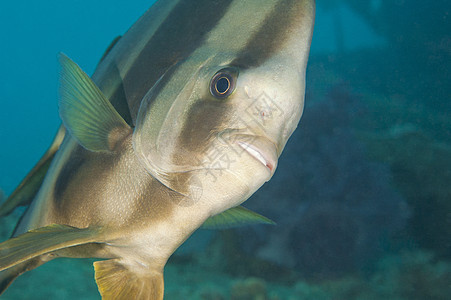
{"points": [[222, 85]]}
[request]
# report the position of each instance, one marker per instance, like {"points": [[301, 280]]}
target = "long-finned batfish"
{"points": [[183, 120]]}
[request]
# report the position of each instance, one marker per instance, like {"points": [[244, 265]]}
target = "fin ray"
{"points": [[43, 240], [116, 280], [89, 117]]}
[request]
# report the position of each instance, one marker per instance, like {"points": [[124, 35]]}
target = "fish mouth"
{"points": [[261, 149]]}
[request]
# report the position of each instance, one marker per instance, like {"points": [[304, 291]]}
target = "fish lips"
{"points": [[261, 149]]}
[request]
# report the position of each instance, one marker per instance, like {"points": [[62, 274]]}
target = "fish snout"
{"points": [[275, 112]]}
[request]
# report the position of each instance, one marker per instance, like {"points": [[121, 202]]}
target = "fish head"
{"points": [[215, 124]]}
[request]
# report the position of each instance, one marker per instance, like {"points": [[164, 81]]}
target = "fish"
{"points": [[184, 118]]}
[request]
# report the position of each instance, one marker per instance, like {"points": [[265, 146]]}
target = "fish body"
{"points": [[183, 120]]}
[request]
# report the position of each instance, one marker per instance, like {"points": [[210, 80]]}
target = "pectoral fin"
{"points": [[235, 217], [89, 117], [27, 189], [116, 280], [44, 240]]}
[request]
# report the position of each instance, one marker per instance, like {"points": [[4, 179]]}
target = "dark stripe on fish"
{"points": [[118, 99], [271, 36], [206, 116], [203, 118], [71, 167], [180, 34]]}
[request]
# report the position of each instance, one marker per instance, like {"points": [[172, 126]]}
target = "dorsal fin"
{"points": [[89, 117]]}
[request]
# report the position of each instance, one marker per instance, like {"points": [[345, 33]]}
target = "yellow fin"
{"points": [[118, 281], [43, 240], [27, 189]]}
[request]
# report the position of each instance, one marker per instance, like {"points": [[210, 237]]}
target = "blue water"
{"points": [[361, 197], [33, 33]]}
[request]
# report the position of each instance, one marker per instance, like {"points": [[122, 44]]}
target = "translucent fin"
{"points": [[27, 189], [235, 217], [89, 117], [43, 240], [118, 281]]}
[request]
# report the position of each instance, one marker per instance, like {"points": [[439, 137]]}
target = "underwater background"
{"points": [[362, 194]]}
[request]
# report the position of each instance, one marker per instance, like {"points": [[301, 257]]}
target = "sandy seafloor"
{"points": [[361, 195]]}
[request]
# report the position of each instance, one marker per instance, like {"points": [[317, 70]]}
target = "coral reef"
{"points": [[413, 275]]}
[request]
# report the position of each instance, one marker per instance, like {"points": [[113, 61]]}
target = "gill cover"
{"points": [[160, 124]]}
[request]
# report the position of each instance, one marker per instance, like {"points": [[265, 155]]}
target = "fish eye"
{"points": [[223, 83]]}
